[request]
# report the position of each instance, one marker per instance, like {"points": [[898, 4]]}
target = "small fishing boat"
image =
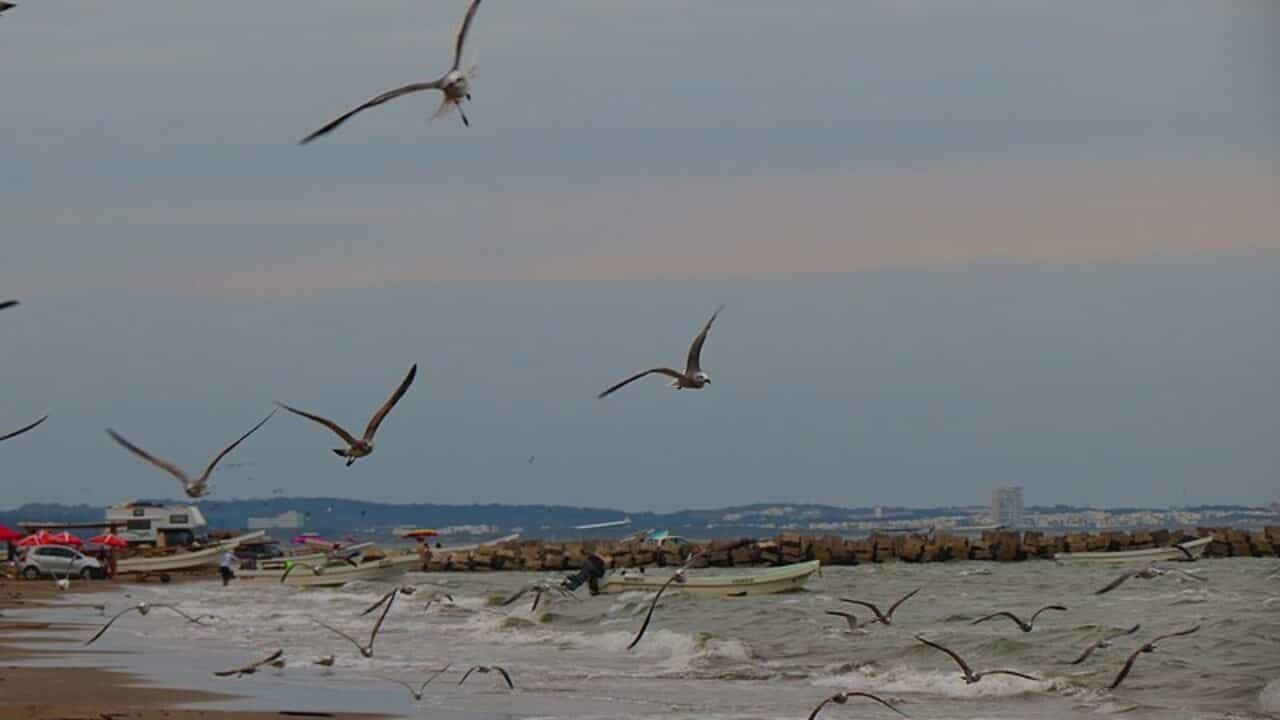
{"points": [[1193, 547], [184, 559], [335, 574], [757, 581]]}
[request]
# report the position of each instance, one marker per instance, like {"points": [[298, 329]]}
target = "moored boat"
{"points": [[184, 559], [757, 581], [1194, 549], [335, 574]]}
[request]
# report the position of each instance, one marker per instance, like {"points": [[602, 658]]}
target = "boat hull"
{"points": [[763, 581], [184, 560], [335, 575], [1195, 547]]}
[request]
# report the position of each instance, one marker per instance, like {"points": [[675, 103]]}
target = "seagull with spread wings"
{"points": [[21, 430], [852, 620], [971, 677], [1104, 642], [1147, 648], [885, 618], [275, 659], [417, 692], [366, 649], [455, 85], [676, 577], [195, 487], [841, 698], [142, 609], [7, 303], [358, 448], [484, 670], [693, 377], [539, 588], [1024, 626], [1146, 573]]}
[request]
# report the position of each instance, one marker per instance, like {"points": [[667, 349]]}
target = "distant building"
{"points": [[1006, 506], [291, 520]]}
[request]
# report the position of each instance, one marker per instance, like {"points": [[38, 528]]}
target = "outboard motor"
{"points": [[591, 572]]}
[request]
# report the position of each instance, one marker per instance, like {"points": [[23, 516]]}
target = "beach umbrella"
{"points": [[9, 535], [109, 540], [39, 538], [65, 538]]}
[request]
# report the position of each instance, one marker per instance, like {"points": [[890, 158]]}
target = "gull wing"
{"points": [[381, 414], [434, 675], [1114, 584], [110, 622], [232, 446], [1059, 608], [1087, 652], [849, 617], [168, 467], [879, 615], [189, 618], [462, 33], [1180, 633], [694, 362], [1128, 665], [335, 427], [331, 628], [382, 601], [1122, 633], [964, 666], [1002, 613], [505, 676], [901, 600], [378, 625], [7, 303], [374, 102], [19, 431], [251, 667], [660, 370], [652, 606]]}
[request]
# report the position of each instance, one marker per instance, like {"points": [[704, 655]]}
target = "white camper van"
{"points": [[149, 523]]}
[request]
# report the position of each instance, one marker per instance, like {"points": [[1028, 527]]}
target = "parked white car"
{"points": [[58, 561]]}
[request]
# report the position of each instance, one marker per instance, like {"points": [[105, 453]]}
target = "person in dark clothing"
{"points": [[591, 572]]}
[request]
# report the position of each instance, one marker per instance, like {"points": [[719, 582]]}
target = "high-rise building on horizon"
{"points": [[1006, 506]]}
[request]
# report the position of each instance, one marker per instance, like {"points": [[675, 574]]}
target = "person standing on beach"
{"points": [[225, 569]]}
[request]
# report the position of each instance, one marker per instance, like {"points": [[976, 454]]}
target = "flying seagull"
{"points": [[971, 677], [382, 601], [1104, 642], [275, 659], [142, 609], [19, 431], [693, 377], [455, 85], [484, 669], [194, 487], [417, 692], [437, 596], [1023, 626], [538, 589], [360, 448], [1148, 647], [676, 577], [885, 618], [1145, 574], [841, 698], [851, 619], [365, 650], [7, 303]]}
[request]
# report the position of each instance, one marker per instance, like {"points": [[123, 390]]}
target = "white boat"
{"points": [[439, 551], [184, 559], [757, 581], [335, 574], [1194, 548]]}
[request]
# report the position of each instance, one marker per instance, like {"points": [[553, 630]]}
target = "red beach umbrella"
{"points": [[65, 538], [109, 540], [9, 535], [40, 538]]}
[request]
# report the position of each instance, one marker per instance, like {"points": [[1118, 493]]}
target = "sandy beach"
{"points": [[73, 689]]}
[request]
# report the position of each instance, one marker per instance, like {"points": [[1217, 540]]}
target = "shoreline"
{"points": [[71, 688]]}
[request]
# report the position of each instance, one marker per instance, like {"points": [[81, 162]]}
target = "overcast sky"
{"points": [[961, 244]]}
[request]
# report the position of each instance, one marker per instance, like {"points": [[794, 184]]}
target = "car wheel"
{"points": [[31, 573], [86, 573]]}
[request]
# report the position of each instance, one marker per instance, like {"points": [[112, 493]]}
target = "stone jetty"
{"points": [[941, 546]]}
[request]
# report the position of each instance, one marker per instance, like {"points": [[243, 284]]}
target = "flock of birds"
{"points": [[693, 378]]}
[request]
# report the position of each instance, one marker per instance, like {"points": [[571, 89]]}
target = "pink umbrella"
{"points": [[40, 538], [8, 535], [109, 540]]}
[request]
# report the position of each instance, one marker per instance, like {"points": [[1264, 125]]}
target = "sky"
{"points": [[960, 245]]}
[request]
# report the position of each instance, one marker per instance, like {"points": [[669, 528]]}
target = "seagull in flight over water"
{"points": [[21, 430], [971, 677], [1026, 626], [366, 649], [194, 487], [455, 85], [1147, 648], [841, 698], [1104, 642], [885, 618], [693, 377], [358, 448]]}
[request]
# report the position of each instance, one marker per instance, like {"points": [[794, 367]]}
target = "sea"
{"points": [[774, 656]]}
